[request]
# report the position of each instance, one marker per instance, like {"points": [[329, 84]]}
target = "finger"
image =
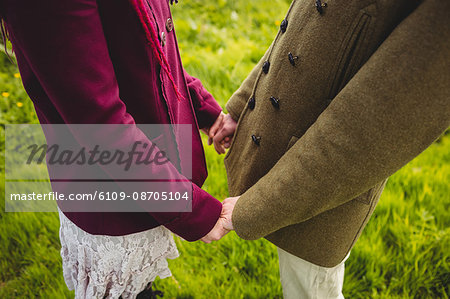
{"points": [[217, 140], [205, 131], [222, 149], [218, 147], [216, 126], [218, 236], [220, 136]]}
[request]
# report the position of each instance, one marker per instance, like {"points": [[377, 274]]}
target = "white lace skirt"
{"points": [[98, 266]]}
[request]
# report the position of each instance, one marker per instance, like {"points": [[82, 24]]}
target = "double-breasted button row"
{"points": [[266, 66], [273, 100]]}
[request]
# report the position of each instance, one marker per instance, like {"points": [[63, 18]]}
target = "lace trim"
{"points": [[98, 266]]}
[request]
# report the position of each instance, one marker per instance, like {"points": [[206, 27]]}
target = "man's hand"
{"points": [[227, 211], [222, 135]]}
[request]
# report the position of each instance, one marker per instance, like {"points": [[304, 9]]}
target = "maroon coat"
{"points": [[89, 61]]}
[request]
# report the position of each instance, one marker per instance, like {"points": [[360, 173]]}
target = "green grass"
{"points": [[403, 253]]}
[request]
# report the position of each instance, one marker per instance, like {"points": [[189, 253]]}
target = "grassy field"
{"points": [[403, 253]]}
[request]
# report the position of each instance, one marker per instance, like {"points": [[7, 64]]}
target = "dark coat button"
{"points": [[275, 102], [266, 66], [292, 58], [256, 139], [283, 25], [319, 6], [251, 103]]}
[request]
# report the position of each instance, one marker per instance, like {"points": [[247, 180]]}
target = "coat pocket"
{"points": [[352, 54]]}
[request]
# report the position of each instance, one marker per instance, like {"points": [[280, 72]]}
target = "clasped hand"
{"points": [[224, 224], [221, 134]]}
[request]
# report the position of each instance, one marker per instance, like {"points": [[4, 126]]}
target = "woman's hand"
{"points": [[224, 224], [217, 232], [216, 125]]}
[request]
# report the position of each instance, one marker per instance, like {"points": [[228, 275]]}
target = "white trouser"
{"points": [[302, 279]]}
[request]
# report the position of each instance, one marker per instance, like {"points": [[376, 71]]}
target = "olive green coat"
{"points": [[365, 90]]}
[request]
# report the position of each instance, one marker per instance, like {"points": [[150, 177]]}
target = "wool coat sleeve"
{"points": [[396, 105], [206, 107], [64, 58]]}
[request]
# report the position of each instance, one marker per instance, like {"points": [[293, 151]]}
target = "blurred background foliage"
{"points": [[403, 252]]}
